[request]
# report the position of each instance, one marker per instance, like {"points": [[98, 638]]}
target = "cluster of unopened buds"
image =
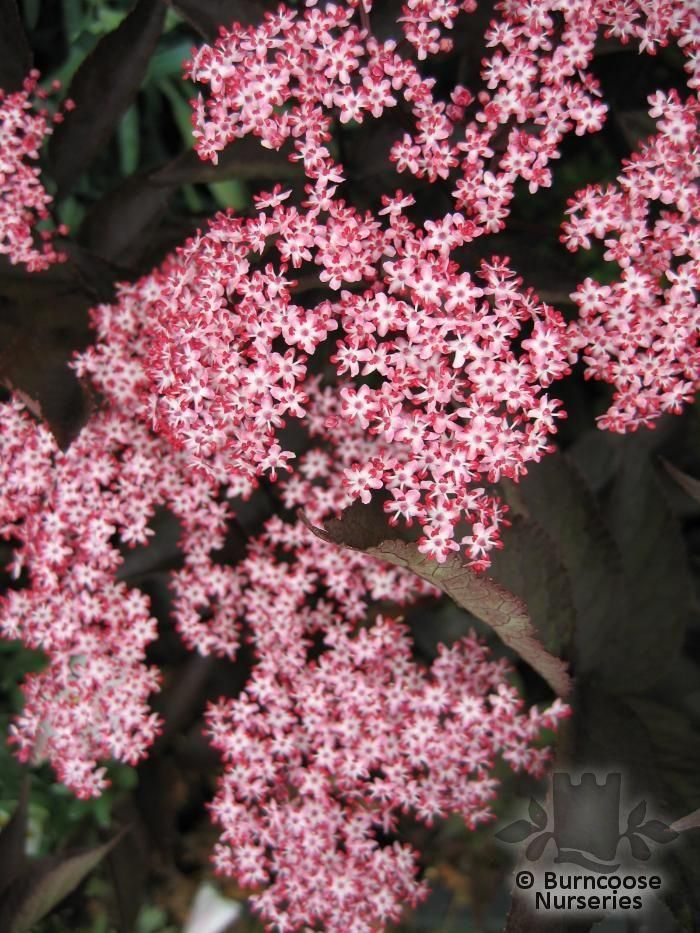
{"points": [[398, 372]]}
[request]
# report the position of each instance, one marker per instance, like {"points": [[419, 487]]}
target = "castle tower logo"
{"points": [[586, 825]]}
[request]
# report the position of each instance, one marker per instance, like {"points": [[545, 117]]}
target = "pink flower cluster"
{"points": [[462, 363], [23, 199], [441, 375], [73, 516], [204, 590], [322, 755], [338, 730], [297, 72], [640, 332], [291, 77]]}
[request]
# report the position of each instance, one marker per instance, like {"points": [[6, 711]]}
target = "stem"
{"points": [[364, 18]]}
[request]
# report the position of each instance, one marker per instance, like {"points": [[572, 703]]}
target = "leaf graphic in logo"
{"points": [[537, 814], [516, 832], [636, 815], [537, 846], [640, 850]]}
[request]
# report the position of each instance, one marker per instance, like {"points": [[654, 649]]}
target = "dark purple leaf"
{"points": [[243, 159], [15, 54], [530, 567], [13, 838], [43, 320], [555, 497], [365, 528], [103, 89], [208, 15], [118, 226], [156, 800], [644, 640], [96, 274], [37, 369], [488, 601], [688, 484], [128, 867], [595, 458], [44, 883]]}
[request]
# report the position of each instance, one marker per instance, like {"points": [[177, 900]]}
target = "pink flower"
{"points": [[24, 202], [321, 757], [641, 333]]}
